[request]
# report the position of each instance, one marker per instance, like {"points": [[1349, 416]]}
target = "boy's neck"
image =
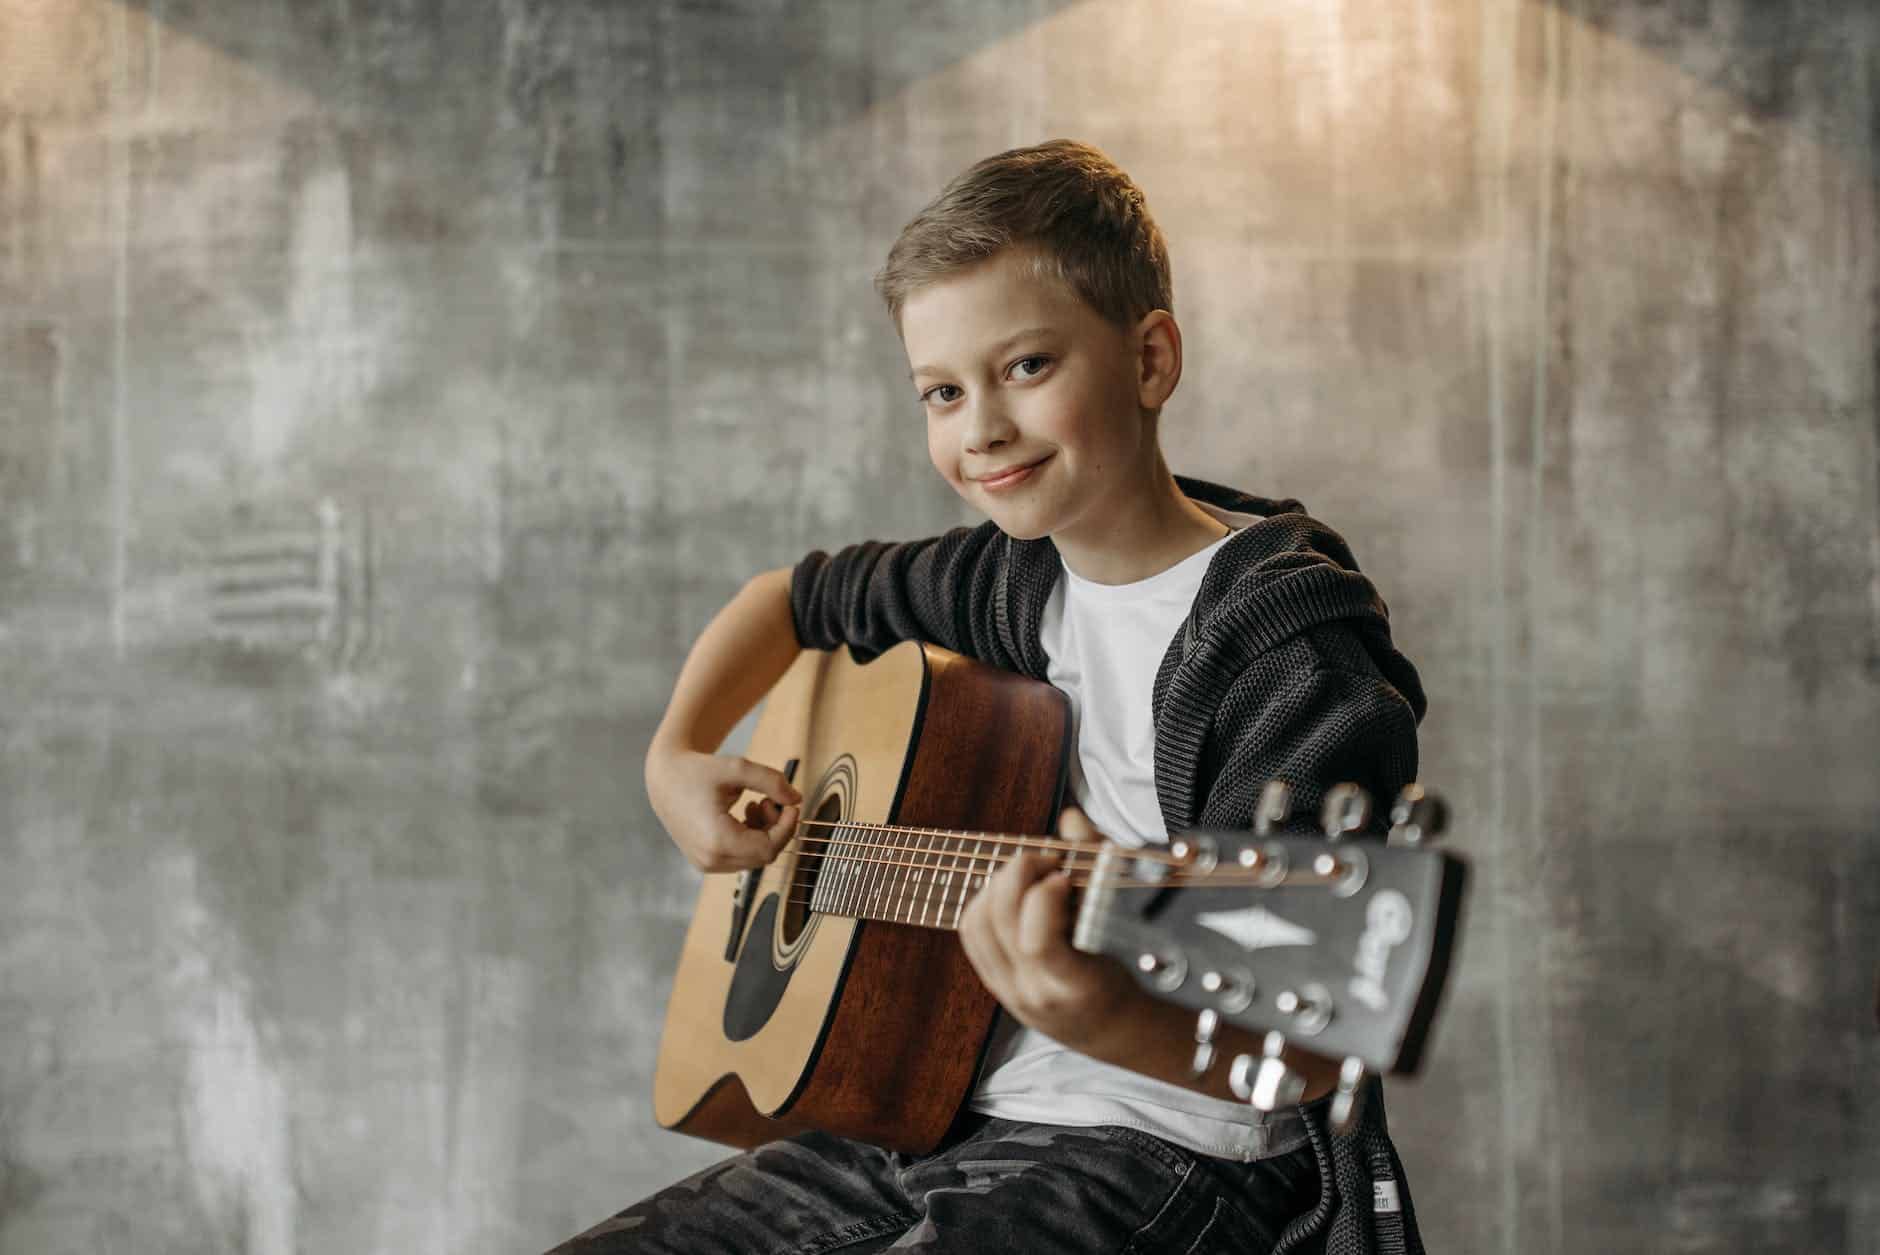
{"points": [[1146, 532]]}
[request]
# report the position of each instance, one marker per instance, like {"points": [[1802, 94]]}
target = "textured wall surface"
{"points": [[389, 392]]}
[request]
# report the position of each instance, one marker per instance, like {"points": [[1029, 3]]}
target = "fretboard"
{"points": [[902, 876]]}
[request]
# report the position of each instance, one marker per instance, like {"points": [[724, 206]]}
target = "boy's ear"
{"points": [[1158, 340]]}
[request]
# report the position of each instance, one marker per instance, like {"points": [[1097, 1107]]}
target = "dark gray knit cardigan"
{"points": [[1284, 669]]}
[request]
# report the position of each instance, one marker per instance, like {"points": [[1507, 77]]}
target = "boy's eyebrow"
{"points": [[996, 349]]}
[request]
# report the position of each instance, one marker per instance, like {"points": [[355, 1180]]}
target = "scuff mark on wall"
{"points": [[237, 1123]]}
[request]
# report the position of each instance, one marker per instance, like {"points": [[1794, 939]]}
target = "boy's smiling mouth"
{"points": [[1008, 478]]}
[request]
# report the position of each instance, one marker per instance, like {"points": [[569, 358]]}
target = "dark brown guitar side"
{"points": [[837, 1019]]}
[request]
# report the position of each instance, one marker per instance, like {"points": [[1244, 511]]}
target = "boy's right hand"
{"points": [[692, 794]]}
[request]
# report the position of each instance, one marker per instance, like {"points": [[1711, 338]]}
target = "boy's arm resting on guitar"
{"points": [[742, 652], [868, 596], [740, 655], [876, 594]]}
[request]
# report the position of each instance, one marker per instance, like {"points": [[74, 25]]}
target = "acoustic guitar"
{"points": [[826, 990]]}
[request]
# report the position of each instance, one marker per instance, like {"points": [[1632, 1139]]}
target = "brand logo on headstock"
{"points": [[1256, 928], [1387, 922]]}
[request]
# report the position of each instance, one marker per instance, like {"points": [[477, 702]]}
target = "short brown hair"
{"points": [[1080, 219]]}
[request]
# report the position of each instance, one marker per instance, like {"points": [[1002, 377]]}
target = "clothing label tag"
{"points": [[1384, 1197]]}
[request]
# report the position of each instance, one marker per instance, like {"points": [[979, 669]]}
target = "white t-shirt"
{"points": [[1104, 643]]}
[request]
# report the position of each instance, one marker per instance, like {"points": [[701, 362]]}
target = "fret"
{"points": [[818, 870], [981, 860], [819, 898], [929, 872], [901, 878], [836, 868], [877, 872], [864, 872], [828, 879], [829, 873], [937, 878], [956, 875], [933, 878], [910, 879], [858, 874], [849, 870], [893, 875], [968, 887]]}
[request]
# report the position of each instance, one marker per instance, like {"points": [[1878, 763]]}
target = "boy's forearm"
{"points": [[742, 652]]}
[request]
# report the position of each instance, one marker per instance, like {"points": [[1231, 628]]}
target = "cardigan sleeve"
{"points": [[1313, 712], [875, 594]]}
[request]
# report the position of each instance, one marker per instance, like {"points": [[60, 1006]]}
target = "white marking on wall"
{"points": [[235, 1113]]}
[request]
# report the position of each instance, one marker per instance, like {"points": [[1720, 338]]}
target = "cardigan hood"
{"points": [[1269, 582]]}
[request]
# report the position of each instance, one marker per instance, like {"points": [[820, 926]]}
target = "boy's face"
{"points": [[1014, 372]]}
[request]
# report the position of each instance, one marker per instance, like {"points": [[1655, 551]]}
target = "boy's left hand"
{"points": [[1016, 932]]}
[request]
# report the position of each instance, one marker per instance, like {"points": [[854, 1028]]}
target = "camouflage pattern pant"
{"points": [[996, 1186]]}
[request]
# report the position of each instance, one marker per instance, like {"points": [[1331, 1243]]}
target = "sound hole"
{"points": [[809, 864]]}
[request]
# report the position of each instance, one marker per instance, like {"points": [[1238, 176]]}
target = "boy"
{"points": [[1208, 641]]}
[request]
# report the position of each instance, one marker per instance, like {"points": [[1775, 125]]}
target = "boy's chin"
{"points": [[1022, 533]]}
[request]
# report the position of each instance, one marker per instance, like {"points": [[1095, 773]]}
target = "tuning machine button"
{"points": [[1206, 1024], [1274, 807], [1267, 1083], [1310, 1007], [1346, 871], [1417, 817], [1197, 851], [1165, 971], [1269, 863], [1232, 989], [1347, 809], [1348, 1098]]}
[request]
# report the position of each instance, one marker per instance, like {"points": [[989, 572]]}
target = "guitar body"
{"points": [[783, 1018]]}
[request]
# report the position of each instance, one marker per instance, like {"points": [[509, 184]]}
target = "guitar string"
{"points": [[947, 862], [961, 834], [1080, 877], [810, 902], [1221, 874], [931, 856], [933, 863], [1072, 848]]}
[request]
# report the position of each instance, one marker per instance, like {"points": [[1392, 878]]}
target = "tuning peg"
{"points": [[1417, 816], [1267, 1082], [1347, 809], [1165, 971], [1348, 1099], [1205, 1025], [1232, 989], [1274, 808], [1310, 1007], [1197, 850]]}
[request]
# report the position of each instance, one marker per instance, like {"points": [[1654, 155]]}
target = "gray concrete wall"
{"points": [[388, 394]]}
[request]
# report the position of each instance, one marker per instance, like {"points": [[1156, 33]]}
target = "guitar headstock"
{"points": [[1337, 942]]}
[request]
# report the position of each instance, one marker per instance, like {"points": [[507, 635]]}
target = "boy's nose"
{"points": [[988, 427]]}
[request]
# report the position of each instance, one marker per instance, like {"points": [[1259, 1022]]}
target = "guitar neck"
{"points": [[898, 875]]}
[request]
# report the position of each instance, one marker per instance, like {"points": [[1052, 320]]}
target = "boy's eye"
{"points": [[933, 393]]}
